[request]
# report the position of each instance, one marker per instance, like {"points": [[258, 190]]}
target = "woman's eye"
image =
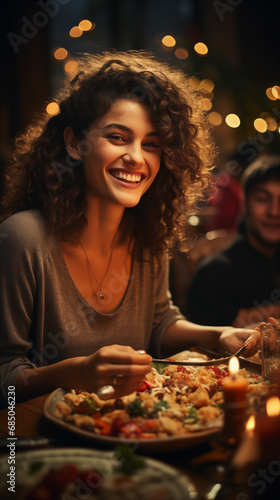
{"points": [[118, 138], [152, 145]]}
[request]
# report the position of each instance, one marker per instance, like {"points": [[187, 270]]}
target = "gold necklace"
{"points": [[100, 295]]}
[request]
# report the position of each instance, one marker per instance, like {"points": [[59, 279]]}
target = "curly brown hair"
{"points": [[42, 175]]}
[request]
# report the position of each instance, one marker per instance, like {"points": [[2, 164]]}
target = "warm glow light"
{"points": [[193, 220], [70, 66], [194, 82], [52, 108], [260, 125], [251, 423], [271, 94], [201, 48], [206, 104], [232, 120], [168, 41], [276, 91], [271, 123], [273, 406], [206, 86], [215, 118], [60, 54], [233, 366], [75, 32], [85, 25], [181, 53]]}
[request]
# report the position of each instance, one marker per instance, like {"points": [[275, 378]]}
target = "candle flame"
{"points": [[273, 406], [251, 423], [233, 366]]}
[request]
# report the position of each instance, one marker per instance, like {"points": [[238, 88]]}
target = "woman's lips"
{"points": [[127, 177]]}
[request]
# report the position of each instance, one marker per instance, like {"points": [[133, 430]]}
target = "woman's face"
{"points": [[121, 154]]}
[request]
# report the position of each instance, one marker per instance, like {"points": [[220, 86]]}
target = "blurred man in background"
{"points": [[241, 284]]}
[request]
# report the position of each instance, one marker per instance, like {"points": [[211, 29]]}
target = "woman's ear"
{"points": [[71, 143]]}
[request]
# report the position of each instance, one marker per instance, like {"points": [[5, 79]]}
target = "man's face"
{"points": [[263, 214]]}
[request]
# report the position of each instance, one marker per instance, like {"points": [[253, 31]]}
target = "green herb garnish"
{"points": [[192, 414], [161, 405], [129, 462], [91, 402], [135, 408], [159, 367]]}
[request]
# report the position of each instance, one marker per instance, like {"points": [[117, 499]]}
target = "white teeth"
{"points": [[127, 177]]}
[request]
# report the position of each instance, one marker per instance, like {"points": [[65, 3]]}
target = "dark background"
{"points": [[243, 58]]}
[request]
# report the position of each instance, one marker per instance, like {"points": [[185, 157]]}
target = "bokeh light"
{"points": [[206, 86], [168, 41], [194, 220], [86, 25], [194, 82], [276, 91], [271, 123], [271, 93], [260, 125], [52, 108], [70, 66], [201, 48], [75, 32], [181, 53], [232, 120], [215, 118], [205, 104], [60, 54]]}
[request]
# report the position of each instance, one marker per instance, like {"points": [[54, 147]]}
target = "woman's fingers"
{"points": [[116, 354], [272, 320], [252, 342]]}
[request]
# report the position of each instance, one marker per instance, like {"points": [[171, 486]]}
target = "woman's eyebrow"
{"points": [[127, 129]]}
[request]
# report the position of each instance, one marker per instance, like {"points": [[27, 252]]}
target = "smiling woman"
{"points": [[95, 197]]}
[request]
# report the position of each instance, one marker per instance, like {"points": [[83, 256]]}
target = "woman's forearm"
{"points": [[183, 334], [32, 382]]}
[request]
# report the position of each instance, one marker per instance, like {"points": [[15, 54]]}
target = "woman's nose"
{"points": [[134, 155]]}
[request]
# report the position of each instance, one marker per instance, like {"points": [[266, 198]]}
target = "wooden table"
{"points": [[202, 464]]}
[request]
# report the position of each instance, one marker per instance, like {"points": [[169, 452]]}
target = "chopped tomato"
{"points": [[131, 429], [143, 387], [103, 426], [182, 369], [150, 425]]}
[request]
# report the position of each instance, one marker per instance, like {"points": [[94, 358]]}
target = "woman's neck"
{"points": [[104, 222]]}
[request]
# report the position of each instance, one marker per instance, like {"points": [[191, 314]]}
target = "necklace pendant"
{"points": [[101, 295]]}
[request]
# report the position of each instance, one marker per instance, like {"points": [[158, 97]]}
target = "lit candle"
{"points": [[248, 451], [235, 390]]}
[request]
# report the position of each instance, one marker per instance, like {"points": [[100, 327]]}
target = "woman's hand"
{"points": [[233, 339], [116, 365]]}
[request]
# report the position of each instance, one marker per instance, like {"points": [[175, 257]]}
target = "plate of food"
{"points": [[76, 473], [174, 408]]}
